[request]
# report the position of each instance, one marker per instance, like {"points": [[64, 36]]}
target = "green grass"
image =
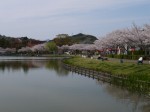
{"points": [[130, 70]]}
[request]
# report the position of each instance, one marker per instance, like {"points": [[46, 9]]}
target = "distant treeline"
{"points": [[60, 40], [65, 39], [12, 42]]}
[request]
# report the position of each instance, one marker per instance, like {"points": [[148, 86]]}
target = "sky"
{"points": [[44, 19]]}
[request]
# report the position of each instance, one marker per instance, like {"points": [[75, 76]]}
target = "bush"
{"points": [[139, 52]]}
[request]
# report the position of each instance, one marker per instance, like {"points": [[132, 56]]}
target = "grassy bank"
{"points": [[131, 70], [56, 55]]}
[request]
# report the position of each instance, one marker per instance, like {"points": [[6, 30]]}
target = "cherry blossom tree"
{"points": [[39, 48], [141, 36], [10, 50], [123, 39], [25, 50], [63, 49], [146, 34], [90, 47], [77, 47]]}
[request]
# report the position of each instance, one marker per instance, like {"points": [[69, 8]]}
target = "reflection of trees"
{"points": [[57, 66], [139, 102], [32, 64], [16, 65], [146, 108]]}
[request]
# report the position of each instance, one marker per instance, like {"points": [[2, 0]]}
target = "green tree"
{"points": [[52, 47], [63, 41]]}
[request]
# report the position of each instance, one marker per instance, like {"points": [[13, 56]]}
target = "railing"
{"points": [[121, 80]]}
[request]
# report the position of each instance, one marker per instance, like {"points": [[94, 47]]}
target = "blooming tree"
{"points": [[24, 50], [123, 39], [39, 48]]}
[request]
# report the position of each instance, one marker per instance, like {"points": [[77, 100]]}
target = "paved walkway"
{"points": [[127, 60]]}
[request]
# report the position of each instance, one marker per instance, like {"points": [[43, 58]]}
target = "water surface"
{"points": [[45, 86]]}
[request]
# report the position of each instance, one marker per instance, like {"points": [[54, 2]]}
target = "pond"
{"points": [[43, 85]]}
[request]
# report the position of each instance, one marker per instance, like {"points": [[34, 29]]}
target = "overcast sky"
{"points": [[43, 19]]}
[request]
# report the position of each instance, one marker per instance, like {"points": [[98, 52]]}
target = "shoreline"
{"points": [[123, 82], [25, 58], [111, 67], [132, 81]]}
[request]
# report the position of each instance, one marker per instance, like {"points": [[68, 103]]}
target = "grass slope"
{"points": [[131, 70]]}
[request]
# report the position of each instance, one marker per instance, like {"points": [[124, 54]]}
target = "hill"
{"points": [[65, 39], [13, 42], [83, 38]]}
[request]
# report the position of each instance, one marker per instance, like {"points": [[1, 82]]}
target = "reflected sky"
{"points": [[45, 86]]}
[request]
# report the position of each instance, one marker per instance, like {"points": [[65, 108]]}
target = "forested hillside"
{"points": [[12, 42], [83, 38]]}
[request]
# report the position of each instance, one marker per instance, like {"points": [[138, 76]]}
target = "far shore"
{"points": [[28, 57]]}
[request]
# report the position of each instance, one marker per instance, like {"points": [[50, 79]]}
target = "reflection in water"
{"points": [[32, 64], [139, 101], [146, 108], [57, 65], [16, 65], [44, 91]]}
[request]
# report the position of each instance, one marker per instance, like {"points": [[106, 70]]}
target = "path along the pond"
{"points": [[127, 60]]}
